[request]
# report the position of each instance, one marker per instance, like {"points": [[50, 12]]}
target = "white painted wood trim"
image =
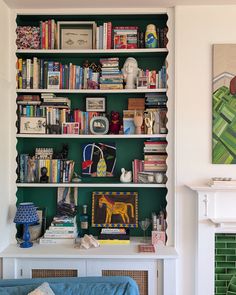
{"points": [[68, 136], [91, 184], [92, 51], [169, 277], [95, 91]]}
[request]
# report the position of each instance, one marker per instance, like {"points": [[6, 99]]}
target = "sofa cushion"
{"points": [[43, 289]]}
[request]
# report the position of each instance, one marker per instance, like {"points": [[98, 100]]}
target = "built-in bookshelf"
{"points": [[151, 196]]}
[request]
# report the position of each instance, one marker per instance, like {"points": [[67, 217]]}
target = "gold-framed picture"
{"points": [[115, 209], [79, 35]]}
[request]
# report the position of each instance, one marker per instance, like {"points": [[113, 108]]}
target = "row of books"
{"points": [[58, 171], [43, 74], [63, 230]]}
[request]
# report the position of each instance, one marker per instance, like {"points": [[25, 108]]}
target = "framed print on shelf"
{"points": [[33, 125], [95, 104], [115, 209], [76, 35]]}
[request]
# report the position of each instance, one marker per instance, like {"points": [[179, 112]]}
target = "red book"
{"points": [[109, 33], [43, 35], [49, 34]]}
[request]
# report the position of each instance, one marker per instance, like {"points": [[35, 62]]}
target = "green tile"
{"points": [[221, 258], [225, 264], [220, 245], [231, 245], [226, 238], [225, 251], [231, 271], [226, 277], [220, 270], [221, 290], [231, 258], [220, 283]]}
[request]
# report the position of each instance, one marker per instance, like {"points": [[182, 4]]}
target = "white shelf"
{"points": [[95, 91], [92, 184], [223, 222], [207, 188], [92, 51], [68, 136], [104, 251]]}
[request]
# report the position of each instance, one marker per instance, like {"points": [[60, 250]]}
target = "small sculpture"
{"points": [[149, 120], [138, 122], [44, 177], [126, 176], [151, 37], [88, 241], [130, 72], [115, 123]]}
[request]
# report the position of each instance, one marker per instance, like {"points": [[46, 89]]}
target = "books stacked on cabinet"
{"points": [[114, 236], [63, 230]]}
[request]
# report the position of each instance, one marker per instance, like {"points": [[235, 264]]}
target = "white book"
{"points": [[44, 241], [59, 228], [97, 38], [59, 236]]}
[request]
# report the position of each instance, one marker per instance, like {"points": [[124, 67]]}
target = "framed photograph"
{"points": [[76, 35], [67, 201], [99, 125], [115, 209], [53, 80], [95, 104], [33, 125]]}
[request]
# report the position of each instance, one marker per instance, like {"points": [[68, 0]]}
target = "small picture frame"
{"points": [[37, 230], [35, 125], [53, 80], [95, 104], [76, 35], [99, 125]]}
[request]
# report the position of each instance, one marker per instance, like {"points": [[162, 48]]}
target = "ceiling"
{"points": [[40, 4]]}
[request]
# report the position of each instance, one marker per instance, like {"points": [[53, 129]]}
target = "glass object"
{"points": [[84, 221], [144, 224]]}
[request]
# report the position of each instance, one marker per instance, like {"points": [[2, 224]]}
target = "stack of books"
{"points": [[114, 236], [155, 156], [111, 76], [63, 230], [155, 100]]}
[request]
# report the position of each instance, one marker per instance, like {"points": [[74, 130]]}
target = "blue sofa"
{"points": [[71, 286]]}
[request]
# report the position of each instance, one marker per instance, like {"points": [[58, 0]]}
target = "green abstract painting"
{"points": [[224, 104]]}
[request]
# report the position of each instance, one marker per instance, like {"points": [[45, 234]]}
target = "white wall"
{"points": [[197, 28], [4, 124]]}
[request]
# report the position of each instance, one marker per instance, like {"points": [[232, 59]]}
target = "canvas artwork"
{"points": [[99, 159], [224, 104], [67, 201], [115, 209]]}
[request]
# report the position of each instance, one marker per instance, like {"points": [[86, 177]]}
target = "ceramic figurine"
{"points": [[126, 176], [151, 37], [130, 72], [149, 120], [138, 122], [44, 177]]}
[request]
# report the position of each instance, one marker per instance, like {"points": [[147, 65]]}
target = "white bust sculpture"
{"points": [[130, 72]]}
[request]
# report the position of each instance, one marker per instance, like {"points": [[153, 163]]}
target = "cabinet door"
{"points": [[144, 272], [43, 268]]}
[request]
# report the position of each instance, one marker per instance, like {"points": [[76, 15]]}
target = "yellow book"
{"points": [[114, 242]]}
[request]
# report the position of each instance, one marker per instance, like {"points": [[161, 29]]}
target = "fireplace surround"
{"points": [[216, 225]]}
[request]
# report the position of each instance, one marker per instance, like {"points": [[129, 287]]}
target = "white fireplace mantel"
{"points": [[216, 212]]}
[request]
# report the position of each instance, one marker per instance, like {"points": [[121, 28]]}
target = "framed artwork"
{"points": [[99, 125], [99, 159], [33, 125], [53, 80], [76, 35], [223, 104], [67, 201], [115, 209], [95, 104]]}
